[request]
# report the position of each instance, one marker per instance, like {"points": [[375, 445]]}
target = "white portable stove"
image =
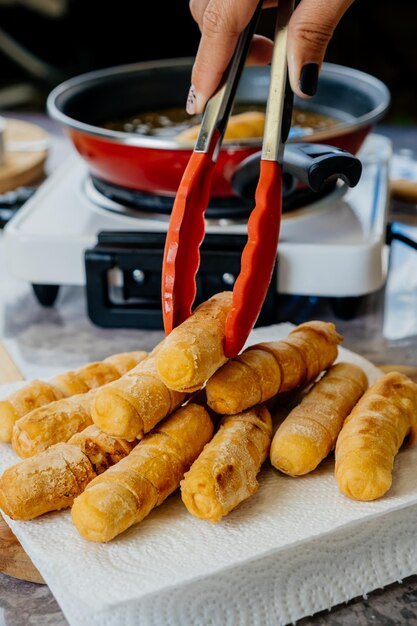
{"points": [[335, 247]]}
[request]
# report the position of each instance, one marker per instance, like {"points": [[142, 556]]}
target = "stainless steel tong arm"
{"points": [[219, 106], [279, 104]]}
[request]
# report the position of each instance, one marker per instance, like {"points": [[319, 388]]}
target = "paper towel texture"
{"points": [[294, 548]]}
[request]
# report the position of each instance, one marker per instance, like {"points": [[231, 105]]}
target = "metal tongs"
{"points": [[187, 226]]}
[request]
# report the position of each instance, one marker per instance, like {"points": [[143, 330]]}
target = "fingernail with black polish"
{"points": [[191, 101], [309, 78]]}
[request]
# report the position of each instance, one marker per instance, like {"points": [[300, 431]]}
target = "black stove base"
{"points": [[136, 258]]}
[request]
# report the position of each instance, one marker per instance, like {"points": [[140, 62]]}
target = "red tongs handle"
{"points": [[184, 237], [258, 258], [186, 229], [260, 252]]}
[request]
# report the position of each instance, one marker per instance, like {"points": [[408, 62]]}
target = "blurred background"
{"points": [[42, 42]]}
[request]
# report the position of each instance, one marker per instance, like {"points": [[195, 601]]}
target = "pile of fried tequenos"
{"points": [[115, 438]]}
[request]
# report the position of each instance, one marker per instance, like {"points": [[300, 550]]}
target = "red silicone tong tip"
{"points": [[183, 240], [258, 258]]}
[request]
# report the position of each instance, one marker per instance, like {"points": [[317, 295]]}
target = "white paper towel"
{"points": [[296, 547]]}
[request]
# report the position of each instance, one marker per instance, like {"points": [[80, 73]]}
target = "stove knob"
{"points": [[138, 276], [228, 279]]}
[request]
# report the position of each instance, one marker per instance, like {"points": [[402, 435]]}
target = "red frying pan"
{"points": [[154, 165]]}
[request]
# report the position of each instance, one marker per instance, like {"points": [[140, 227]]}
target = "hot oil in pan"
{"points": [[170, 122], [167, 122]]}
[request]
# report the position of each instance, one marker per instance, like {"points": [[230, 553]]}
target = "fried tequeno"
{"points": [[372, 435], [125, 361], [225, 473], [102, 450], [135, 403], [96, 374], [317, 344], [47, 482], [54, 423], [52, 479], [310, 431], [266, 369], [60, 420], [193, 351], [33, 395], [127, 492], [39, 393]]}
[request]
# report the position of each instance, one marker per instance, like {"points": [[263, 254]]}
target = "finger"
{"points": [[197, 8], [260, 52], [221, 25], [310, 30]]}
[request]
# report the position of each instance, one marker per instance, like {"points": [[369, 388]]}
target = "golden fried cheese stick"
{"points": [[310, 431], [54, 423], [39, 393], [372, 435], [46, 482], [33, 395], [193, 351], [265, 369], [102, 450], [96, 374], [135, 403], [127, 492], [52, 479], [225, 472]]}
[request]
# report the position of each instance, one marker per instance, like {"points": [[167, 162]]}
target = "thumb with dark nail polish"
{"points": [[309, 78]]}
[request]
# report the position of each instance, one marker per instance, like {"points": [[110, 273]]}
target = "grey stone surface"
{"points": [[23, 603], [393, 606]]}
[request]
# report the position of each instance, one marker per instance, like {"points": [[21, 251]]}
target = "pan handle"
{"points": [[316, 165], [313, 164]]}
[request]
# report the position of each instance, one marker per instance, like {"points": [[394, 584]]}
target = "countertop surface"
{"points": [[63, 337]]}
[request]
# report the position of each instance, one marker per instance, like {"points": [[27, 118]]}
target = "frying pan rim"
{"points": [[141, 141]]}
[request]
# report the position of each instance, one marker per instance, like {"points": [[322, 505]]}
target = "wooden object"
{"points": [[13, 559], [404, 190], [9, 372], [25, 154]]}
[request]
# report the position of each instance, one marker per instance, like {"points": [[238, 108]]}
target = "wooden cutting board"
{"points": [[25, 154], [13, 559]]}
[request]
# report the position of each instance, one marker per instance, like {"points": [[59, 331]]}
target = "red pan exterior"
{"points": [[160, 171], [148, 169]]}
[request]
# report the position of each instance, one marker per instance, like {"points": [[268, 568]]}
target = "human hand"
{"points": [[221, 22]]}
